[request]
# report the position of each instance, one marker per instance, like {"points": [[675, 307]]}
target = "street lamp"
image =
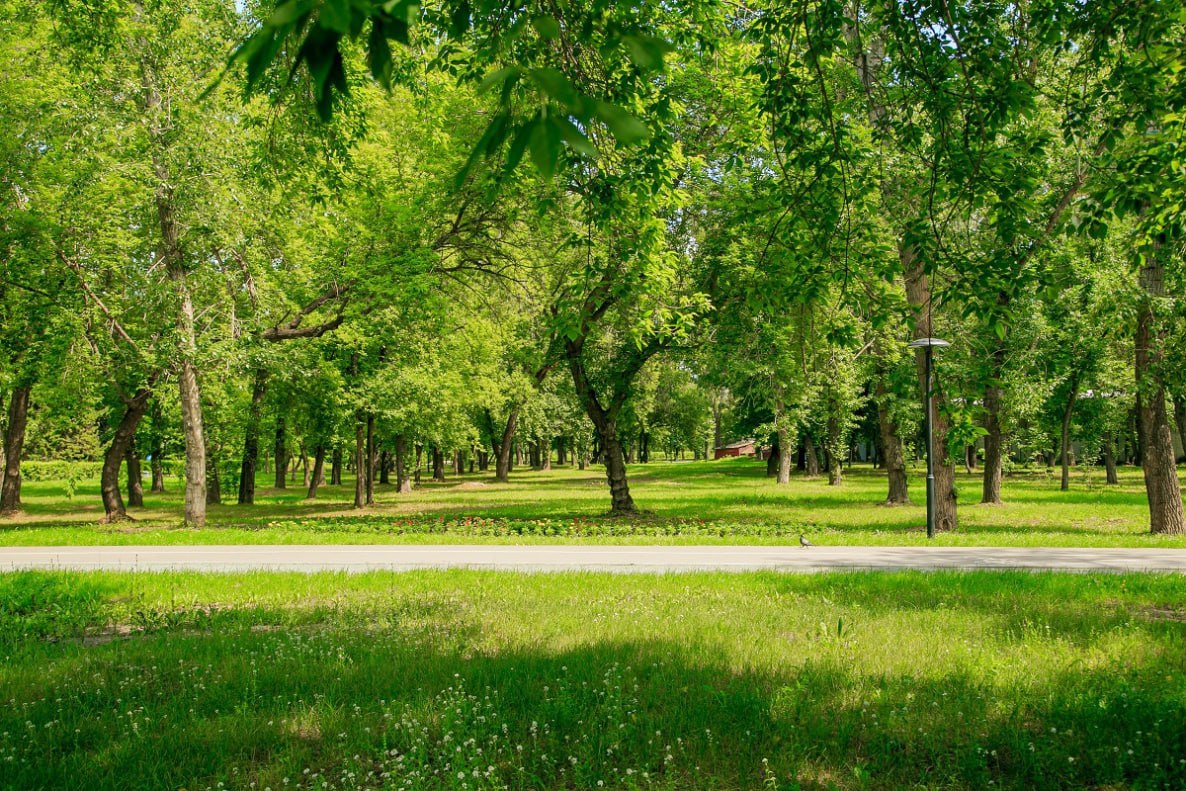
{"points": [[929, 345]]}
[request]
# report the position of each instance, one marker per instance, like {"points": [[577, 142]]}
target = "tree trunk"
{"points": [[561, 458], [213, 482], [259, 389], [502, 447], [195, 446], [280, 451], [1066, 435], [14, 443], [401, 465], [419, 452], [318, 475], [483, 461], [615, 472], [135, 483], [892, 457], [1158, 462], [156, 439], [835, 467], [1110, 459], [360, 464], [774, 459], [125, 435], [1180, 419], [335, 467], [438, 464], [384, 468], [918, 295], [545, 452], [994, 462], [371, 460], [811, 458]]}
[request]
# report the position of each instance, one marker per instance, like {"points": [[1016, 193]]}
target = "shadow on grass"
{"points": [[343, 688]]}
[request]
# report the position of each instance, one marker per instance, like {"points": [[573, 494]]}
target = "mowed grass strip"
{"points": [[482, 680], [729, 501]]}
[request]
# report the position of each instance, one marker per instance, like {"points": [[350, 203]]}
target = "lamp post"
{"points": [[928, 345]]}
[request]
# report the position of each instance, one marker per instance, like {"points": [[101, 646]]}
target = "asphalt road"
{"points": [[624, 559]]}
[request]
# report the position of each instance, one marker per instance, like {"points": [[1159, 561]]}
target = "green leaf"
{"points": [[379, 54], [576, 139], [646, 51], [499, 77], [545, 148], [287, 13], [547, 27], [336, 16], [624, 126]]}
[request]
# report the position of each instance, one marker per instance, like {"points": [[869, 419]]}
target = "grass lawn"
{"points": [[729, 501], [480, 680]]}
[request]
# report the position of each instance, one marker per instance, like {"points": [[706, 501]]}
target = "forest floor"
{"points": [[723, 502], [484, 680]]}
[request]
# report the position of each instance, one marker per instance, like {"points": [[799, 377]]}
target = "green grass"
{"points": [[451, 680], [702, 502]]}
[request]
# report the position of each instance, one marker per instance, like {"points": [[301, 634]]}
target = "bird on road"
{"points": [[803, 542]]}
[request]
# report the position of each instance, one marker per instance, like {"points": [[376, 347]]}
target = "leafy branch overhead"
{"points": [[549, 99]]}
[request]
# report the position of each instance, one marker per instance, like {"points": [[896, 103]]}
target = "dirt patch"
{"points": [[472, 485]]}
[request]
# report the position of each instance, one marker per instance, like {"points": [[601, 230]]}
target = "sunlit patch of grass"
{"points": [[451, 680], [694, 502]]}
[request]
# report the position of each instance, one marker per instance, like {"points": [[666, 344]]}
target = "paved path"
{"points": [[583, 558]]}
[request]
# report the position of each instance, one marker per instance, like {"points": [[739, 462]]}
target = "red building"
{"points": [[742, 448]]}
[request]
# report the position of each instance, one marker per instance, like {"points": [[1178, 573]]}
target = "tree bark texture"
{"points": [[318, 476], [438, 464], [403, 483], [14, 444], [893, 459], [371, 459], [994, 462], [502, 447], [280, 452], [360, 463], [259, 389], [335, 470], [125, 434], [135, 483], [918, 295], [1110, 459], [1158, 462]]}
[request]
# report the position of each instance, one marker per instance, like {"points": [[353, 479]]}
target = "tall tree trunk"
{"points": [[259, 389], [360, 462], [604, 420], [483, 461], [1110, 459], [117, 451], [994, 462], [280, 451], [438, 464], [785, 443], [918, 295], [213, 482], [401, 465], [318, 475], [384, 468], [370, 460], [1180, 419], [774, 459], [811, 458], [545, 452], [835, 467], [502, 447], [335, 467], [195, 446], [157, 442], [419, 453], [1066, 434], [135, 483], [892, 457], [1159, 464], [14, 443]]}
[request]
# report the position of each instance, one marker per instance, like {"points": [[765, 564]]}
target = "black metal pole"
{"points": [[930, 452]]}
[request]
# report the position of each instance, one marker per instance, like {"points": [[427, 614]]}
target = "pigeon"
{"points": [[803, 542]]}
